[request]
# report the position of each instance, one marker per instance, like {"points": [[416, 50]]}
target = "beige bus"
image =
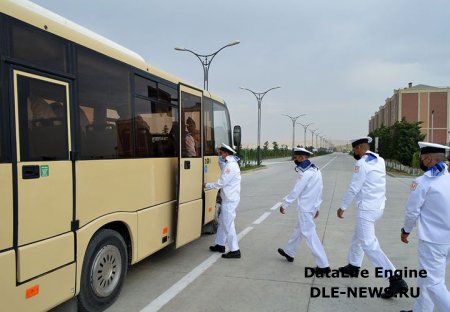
{"points": [[102, 161]]}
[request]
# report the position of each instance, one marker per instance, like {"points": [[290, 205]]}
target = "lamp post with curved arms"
{"points": [[304, 135], [317, 139], [206, 60], [259, 97], [312, 136], [294, 119], [325, 141]]}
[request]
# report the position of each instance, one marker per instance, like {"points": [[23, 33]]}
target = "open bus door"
{"points": [[190, 167]]}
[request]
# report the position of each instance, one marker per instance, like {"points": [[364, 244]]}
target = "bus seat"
{"points": [[124, 139], [144, 145], [48, 139], [83, 123], [101, 141]]}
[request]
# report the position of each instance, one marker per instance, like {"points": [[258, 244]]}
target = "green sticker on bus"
{"points": [[44, 171]]}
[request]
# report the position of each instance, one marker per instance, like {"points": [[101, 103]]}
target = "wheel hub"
{"points": [[106, 271]]}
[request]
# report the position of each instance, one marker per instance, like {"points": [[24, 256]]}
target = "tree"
{"points": [[275, 146], [399, 141], [265, 150], [385, 148], [405, 137]]}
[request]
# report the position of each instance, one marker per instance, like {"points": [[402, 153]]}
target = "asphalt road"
{"points": [[194, 279]]}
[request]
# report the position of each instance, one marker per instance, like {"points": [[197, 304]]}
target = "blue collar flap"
{"points": [[370, 157]]}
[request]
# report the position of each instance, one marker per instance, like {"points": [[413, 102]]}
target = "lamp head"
{"points": [[233, 43]]}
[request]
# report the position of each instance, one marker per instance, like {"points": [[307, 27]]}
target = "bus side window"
{"points": [[103, 87], [43, 134]]}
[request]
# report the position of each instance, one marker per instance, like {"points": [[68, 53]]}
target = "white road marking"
{"points": [[276, 206], [262, 218], [178, 287], [244, 232], [328, 163]]}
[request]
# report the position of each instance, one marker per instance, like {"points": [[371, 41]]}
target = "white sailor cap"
{"points": [[227, 149], [301, 151], [427, 148], [361, 140]]}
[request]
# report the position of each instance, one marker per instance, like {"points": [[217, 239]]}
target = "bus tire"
{"points": [[211, 227], [104, 269]]}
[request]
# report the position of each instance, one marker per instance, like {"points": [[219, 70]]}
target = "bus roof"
{"points": [[47, 20]]}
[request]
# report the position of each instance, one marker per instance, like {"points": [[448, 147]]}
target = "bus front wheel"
{"points": [[104, 269]]}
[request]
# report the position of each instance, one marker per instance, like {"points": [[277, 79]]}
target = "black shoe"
{"points": [[288, 258], [321, 272], [232, 255], [396, 286], [218, 248], [349, 270], [406, 311]]}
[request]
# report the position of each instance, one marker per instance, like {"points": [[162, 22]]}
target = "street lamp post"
{"points": [[317, 139], [206, 60], [312, 136], [294, 119], [304, 135], [322, 141], [259, 97]]}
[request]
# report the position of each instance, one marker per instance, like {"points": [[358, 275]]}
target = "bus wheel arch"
{"points": [[104, 270]]}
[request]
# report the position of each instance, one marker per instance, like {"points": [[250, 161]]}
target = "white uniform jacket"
{"points": [[229, 181], [307, 190], [429, 204], [368, 185]]}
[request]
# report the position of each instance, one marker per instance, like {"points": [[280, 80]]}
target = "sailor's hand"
{"points": [[404, 238], [282, 210], [340, 213]]}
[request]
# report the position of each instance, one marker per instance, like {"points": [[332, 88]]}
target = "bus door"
{"points": [[190, 167], [44, 175]]}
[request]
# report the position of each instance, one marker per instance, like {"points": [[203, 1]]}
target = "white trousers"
{"points": [[306, 228], [434, 259], [365, 241], [226, 233]]}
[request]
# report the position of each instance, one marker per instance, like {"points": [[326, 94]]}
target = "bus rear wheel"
{"points": [[104, 269], [211, 227]]}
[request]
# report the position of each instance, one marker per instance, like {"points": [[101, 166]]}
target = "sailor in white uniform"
{"points": [[308, 194], [428, 205], [229, 184], [368, 188]]}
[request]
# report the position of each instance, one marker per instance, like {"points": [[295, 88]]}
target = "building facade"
{"points": [[427, 104]]}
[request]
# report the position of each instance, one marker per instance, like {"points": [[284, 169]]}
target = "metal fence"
{"points": [[392, 164]]}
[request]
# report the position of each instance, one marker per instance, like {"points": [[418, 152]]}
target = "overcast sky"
{"points": [[336, 61]]}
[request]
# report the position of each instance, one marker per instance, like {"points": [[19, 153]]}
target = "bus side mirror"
{"points": [[237, 136]]}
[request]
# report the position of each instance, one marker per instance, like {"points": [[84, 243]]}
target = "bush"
{"points": [[399, 141]]}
